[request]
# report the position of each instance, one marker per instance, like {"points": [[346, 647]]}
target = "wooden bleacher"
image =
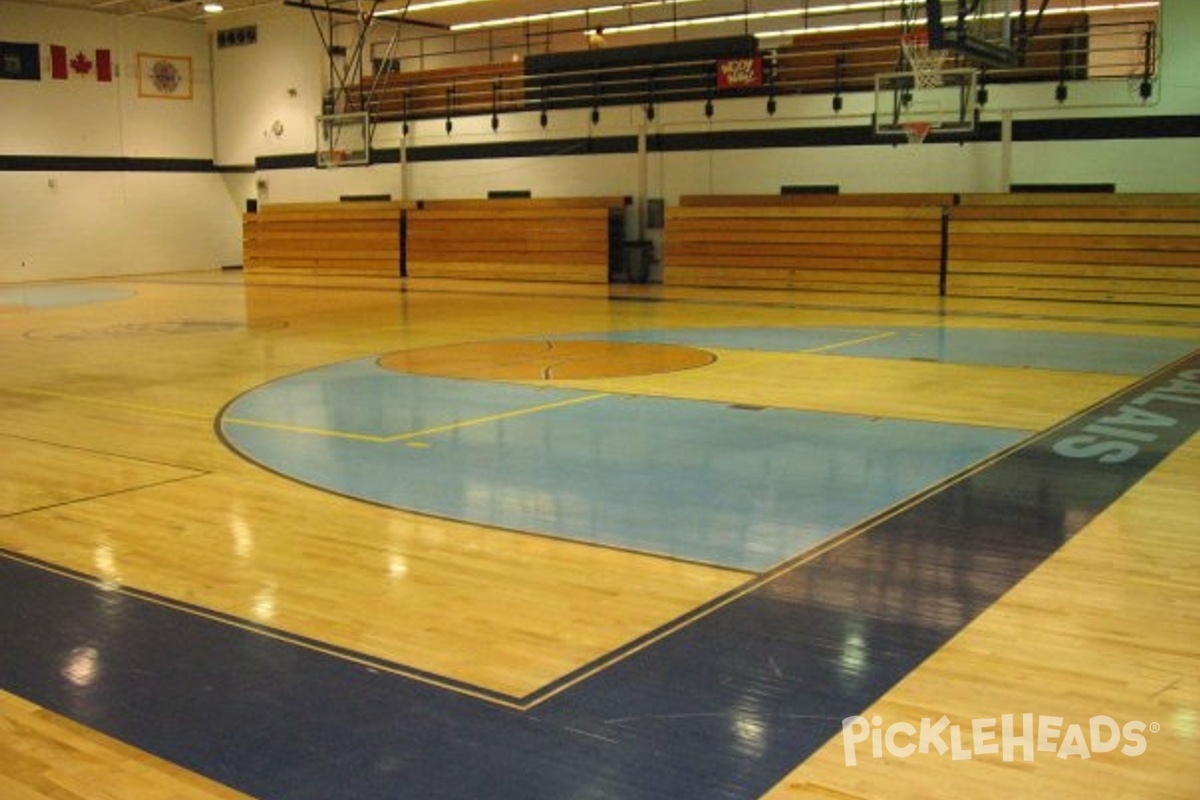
{"points": [[349, 239], [451, 91], [527, 239], [849, 61], [872, 243], [1129, 248], [1126, 248]]}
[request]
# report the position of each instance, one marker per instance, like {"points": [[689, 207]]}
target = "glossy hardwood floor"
{"points": [[1106, 627], [112, 473]]}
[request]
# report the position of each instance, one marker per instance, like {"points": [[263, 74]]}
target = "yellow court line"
{"points": [[100, 401], [520, 412], [326, 432], [774, 574], [400, 437], [861, 340]]}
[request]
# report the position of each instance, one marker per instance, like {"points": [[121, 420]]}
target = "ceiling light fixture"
{"points": [[745, 16], [411, 8], [568, 13], [807, 12]]}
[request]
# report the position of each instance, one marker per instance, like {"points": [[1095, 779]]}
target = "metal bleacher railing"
{"points": [[1068, 48]]}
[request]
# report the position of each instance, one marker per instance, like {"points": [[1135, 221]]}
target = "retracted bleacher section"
{"points": [[573, 240], [876, 243], [1115, 248], [1127, 248], [302, 240]]}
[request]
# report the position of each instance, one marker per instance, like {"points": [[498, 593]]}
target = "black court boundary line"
{"points": [[220, 434], [154, 329], [600, 663], [615, 295], [200, 471], [789, 565], [791, 303], [98, 496], [196, 473], [762, 772], [572, 678], [278, 634], [551, 688]]}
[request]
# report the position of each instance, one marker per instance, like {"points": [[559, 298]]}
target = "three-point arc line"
{"points": [[410, 435]]}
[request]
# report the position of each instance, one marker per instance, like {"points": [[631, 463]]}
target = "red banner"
{"points": [[104, 72], [739, 73], [58, 62]]}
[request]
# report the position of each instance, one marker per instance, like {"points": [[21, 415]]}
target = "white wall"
{"points": [[1133, 165], [1151, 165], [113, 222], [60, 223], [277, 79], [1180, 86]]}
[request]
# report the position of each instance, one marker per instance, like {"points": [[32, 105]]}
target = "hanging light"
{"points": [[495, 106]]}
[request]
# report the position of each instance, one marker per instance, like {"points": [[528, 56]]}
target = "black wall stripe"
{"points": [[20, 163], [1095, 129], [1085, 129]]}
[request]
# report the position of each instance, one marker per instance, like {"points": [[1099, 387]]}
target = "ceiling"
{"points": [[165, 9], [613, 15], [447, 15]]}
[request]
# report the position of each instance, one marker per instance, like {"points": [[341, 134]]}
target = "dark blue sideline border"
{"points": [[722, 709]]}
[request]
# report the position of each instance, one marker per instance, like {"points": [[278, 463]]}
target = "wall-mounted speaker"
{"points": [[237, 37]]}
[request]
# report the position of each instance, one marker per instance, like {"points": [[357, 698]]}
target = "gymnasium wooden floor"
{"points": [[284, 541]]}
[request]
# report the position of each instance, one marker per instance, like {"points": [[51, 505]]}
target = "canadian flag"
{"points": [[81, 63]]}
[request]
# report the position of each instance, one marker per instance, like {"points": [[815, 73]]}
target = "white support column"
{"points": [[403, 166], [1006, 150], [643, 169]]}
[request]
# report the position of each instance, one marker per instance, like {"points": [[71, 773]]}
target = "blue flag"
{"points": [[20, 62]]}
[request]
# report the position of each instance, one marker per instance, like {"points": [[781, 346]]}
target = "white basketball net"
{"points": [[926, 64], [916, 131]]}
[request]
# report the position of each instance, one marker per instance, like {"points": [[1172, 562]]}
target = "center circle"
{"points": [[546, 360]]}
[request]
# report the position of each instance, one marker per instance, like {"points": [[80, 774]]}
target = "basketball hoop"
{"points": [[343, 140], [926, 64], [916, 131]]}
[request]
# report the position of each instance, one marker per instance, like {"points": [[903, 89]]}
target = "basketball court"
{"points": [[289, 538], [475, 541]]}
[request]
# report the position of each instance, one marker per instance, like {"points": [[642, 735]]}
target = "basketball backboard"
{"points": [[343, 140], [947, 108]]}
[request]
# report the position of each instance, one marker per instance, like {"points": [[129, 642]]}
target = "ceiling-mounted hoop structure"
{"points": [[987, 33], [346, 78], [925, 62]]}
